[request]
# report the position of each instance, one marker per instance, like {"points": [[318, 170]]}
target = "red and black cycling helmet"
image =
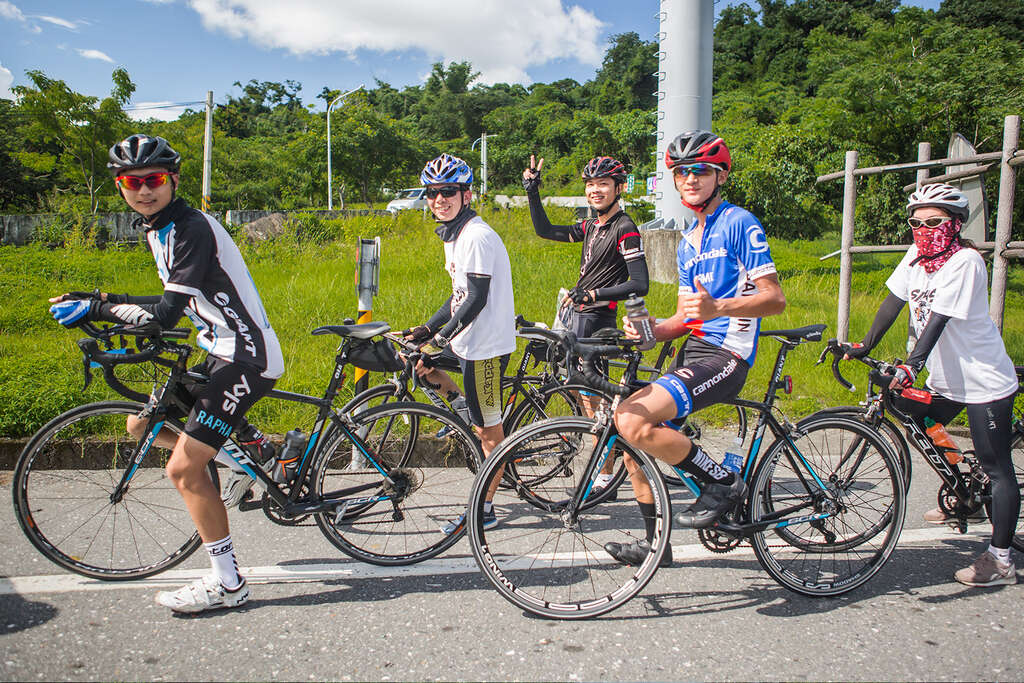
{"points": [[141, 150], [604, 167], [698, 147]]}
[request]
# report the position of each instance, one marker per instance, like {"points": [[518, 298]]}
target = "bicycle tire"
{"points": [[547, 563], [434, 477], [834, 555], [1017, 455], [62, 486], [889, 430]]}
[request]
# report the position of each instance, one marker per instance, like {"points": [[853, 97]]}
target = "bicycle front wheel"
{"points": [[546, 557], [429, 458], [63, 485], [834, 494]]}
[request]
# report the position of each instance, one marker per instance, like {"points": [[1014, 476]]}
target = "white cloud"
{"points": [[501, 39], [162, 111], [57, 21], [6, 80], [95, 54], [9, 11]]}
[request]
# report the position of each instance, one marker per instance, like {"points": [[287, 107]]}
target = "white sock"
{"points": [[224, 459], [222, 559], [1002, 554], [603, 479]]}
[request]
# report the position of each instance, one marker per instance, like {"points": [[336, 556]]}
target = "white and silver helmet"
{"points": [[942, 196]]}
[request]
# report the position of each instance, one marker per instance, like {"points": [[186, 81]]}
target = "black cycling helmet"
{"points": [[139, 151], [698, 147], [604, 167]]}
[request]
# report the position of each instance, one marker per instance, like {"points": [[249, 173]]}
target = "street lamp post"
{"points": [[330, 196], [483, 160]]}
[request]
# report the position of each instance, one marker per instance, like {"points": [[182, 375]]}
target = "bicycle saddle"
{"points": [[363, 331], [806, 333]]}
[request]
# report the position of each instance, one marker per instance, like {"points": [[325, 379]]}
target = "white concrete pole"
{"points": [[207, 152]]}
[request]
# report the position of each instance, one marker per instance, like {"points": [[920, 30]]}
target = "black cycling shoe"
{"points": [[714, 501], [597, 491], [636, 552]]}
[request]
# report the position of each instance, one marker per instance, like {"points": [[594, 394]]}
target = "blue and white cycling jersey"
{"points": [[733, 253]]}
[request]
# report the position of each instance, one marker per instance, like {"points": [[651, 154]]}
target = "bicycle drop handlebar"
{"points": [[158, 342], [588, 350]]}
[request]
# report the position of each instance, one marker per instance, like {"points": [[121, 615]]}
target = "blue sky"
{"points": [[176, 50]]}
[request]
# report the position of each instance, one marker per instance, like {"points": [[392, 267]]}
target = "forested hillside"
{"points": [[796, 84]]}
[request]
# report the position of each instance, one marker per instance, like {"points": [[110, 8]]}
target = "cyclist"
{"points": [[946, 283], [612, 261], [205, 278], [727, 283], [477, 322]]}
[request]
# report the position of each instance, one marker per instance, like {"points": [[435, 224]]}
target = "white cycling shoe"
{"points": [[204, 594]]}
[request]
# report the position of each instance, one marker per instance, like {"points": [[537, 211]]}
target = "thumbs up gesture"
{"points": [[699, 305]]}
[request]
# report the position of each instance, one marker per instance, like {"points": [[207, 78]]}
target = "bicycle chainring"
{"points": [[276, 515], [718, 542]]}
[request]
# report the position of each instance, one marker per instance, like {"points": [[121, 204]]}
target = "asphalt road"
{"points": [[316, 615]]}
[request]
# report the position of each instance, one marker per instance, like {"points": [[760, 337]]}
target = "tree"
{"points": [[80, 127], [265, 108], [626, 79]]}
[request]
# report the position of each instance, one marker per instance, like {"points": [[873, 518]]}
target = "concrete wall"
{"points": [[660, 248]]}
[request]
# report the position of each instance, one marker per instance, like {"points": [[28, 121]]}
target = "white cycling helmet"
{"points": [[942, 196]]}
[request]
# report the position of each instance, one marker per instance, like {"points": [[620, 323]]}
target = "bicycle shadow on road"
{"points": [[909, 572], [19, 614]]}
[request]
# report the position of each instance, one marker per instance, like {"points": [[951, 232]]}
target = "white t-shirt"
{"points": [[968, 363], [480, 251]]}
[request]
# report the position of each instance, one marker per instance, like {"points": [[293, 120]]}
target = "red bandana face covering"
{"points": [[935, 246]]}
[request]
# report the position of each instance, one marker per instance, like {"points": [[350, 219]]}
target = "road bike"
{"points": [[824, 509], [97, 501], [965, 489]]}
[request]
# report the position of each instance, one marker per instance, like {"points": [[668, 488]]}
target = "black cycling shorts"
{"points": [[217, 406], [704, 375]]}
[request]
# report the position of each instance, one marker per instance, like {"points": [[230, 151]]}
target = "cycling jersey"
{"points": [[733, 253], [610, 252], [196, 256]]}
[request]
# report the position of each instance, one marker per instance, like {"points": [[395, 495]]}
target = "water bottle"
{"points": [[282, 468], [636, 311], [732, 460], [461, 409], [255, 443], [941, 438]]}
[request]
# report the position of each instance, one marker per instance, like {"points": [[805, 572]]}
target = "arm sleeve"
{"points": [[543, 227], [638, 283], [478, 287], [886, 316], [926, 342], [440, 317], [129, 299], [166, 311]]}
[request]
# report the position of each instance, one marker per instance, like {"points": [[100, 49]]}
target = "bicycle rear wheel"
{"points": [[545, 558], [836, 539], [1017, 454], [62, 497], [403, 521]]}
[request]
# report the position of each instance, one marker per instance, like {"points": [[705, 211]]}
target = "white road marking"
{"points": [[298, 573]]}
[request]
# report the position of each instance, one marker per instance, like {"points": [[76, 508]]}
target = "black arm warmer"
{"points": [[129, 299], [926, 342], [886, 316], [469, 309], [542, 226], [443, 315], [137, 310], [638, 283]]}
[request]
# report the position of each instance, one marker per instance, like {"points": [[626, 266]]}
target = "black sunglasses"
{"points": [[449, 192]]}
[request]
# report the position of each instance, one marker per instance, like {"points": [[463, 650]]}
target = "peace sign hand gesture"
{"points": [[531, 175]]}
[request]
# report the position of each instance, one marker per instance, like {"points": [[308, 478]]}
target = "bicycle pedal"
{"points": [[250, 502]]}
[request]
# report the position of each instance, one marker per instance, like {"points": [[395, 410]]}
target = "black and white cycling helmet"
{"points": [[942, 196], [140, 151]]}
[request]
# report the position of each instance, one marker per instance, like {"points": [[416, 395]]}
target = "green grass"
{"points": [[306, 280]]}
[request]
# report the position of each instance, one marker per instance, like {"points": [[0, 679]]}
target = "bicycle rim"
{"points": [[890, 432], [539, 557], [865, 503], [62, 488], [403, 521]]}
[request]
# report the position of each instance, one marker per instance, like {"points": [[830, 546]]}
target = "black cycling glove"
{"points": [[420, 333], [580, 295], [532, 184]]}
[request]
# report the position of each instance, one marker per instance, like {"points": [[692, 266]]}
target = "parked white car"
{"points": [[412, 198]]}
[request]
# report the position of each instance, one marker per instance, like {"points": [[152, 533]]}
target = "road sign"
{"points": [[630, 183]]}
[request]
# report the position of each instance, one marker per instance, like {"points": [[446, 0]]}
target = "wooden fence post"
{"points": [[1004, 220]]}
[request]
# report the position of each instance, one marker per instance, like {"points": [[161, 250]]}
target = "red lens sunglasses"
{"points": [[135, 182]]}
